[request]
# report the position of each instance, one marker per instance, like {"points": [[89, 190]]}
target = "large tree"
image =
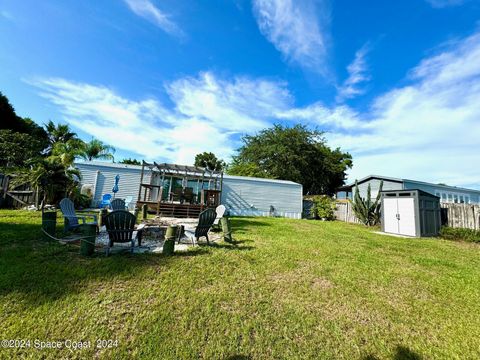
{"points": [[210, 161], [17, 149], [42, 158], [292, 153], [9, 120]]}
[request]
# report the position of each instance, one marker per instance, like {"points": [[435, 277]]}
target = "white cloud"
{"points": [[147, 10], [357, 75], [208, 115], [6, 14], [296, 29], [340, 117], [445, 3], [236, 106], [428, 129]]}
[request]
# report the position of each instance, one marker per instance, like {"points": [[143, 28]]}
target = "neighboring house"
{"points": [[246, 196], [447, 194]]}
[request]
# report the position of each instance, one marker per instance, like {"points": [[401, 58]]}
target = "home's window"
{"points": [[455, 199], [437, 193], [450, 198], [462, 201], [467, 199], [444, 197]]}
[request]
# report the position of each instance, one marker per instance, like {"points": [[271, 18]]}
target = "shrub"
{"points": [[457, 234], [80, 200], [322, 208]]}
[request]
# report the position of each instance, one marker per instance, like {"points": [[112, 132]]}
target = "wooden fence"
{"points": [[344, 212], [461, 216], [20, 196], [453, 215]]}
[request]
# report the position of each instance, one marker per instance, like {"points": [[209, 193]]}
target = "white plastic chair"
{"points": [[220, 210], [129, 202]]}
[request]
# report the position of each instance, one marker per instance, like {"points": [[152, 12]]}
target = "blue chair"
{"points": [[70, 218], [105, 201]]}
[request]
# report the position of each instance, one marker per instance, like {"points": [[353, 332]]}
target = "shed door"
{"points": [[390, 215], [406, 214]]}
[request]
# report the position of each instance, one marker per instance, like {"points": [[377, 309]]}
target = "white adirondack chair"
{"points": [[220, 210]]}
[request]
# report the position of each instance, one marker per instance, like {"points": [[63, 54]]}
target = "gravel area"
{"points": [[154, 236]]}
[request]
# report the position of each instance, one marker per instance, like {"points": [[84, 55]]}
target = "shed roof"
{"points": [[424, 193], [369, 177]]}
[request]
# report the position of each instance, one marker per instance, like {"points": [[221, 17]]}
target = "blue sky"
{"points": [[396, 83]]}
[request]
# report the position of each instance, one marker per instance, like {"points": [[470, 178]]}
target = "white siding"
{"points": [[253, 197], [374, 187], [105, 179], [447, 194], [243, 196]]}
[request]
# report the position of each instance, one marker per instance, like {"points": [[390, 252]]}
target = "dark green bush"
{"points": [[80, 200], [450, 233], [322, 208]]}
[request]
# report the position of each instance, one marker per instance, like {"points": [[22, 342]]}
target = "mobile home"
{"points": [[243, 196]]}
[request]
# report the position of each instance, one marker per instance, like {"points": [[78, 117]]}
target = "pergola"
{"points": [[179, 190]]}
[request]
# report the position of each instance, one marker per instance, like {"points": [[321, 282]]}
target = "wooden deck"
{"points": [[173, 209]]}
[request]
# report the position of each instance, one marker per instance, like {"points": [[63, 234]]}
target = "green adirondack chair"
{"points": [[205, 222], [118, 204], [120, 226]]}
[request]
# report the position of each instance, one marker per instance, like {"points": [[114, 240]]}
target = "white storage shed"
{"points": [[411, 213]]}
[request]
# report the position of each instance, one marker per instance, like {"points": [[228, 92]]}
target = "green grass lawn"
{"points": [[287, 289]]}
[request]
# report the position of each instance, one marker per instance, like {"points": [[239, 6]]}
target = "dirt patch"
{"points": [[322, 284]]}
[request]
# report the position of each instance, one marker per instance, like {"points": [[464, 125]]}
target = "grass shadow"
{"points": [[232, 246], [401, 353], [44, 270], [404, 353], [240, 225]]}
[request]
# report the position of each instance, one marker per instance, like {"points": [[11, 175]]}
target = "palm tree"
{"points": [[50, 177], [60, 133], [67, 152], [96, 149]]}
